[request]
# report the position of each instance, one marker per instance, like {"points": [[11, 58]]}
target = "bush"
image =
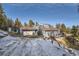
{"points": [[71, 44], [15, 34]]}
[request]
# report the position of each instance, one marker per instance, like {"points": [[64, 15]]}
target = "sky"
{"points": [[43, 13]]}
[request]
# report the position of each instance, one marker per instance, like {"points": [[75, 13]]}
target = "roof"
{"points": [[42, 27], [48, 28], [28, 28]]}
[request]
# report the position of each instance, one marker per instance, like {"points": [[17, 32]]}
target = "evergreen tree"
{"points": [[68, 30], [31, 23], [2, 21], [37, 24], [18, 23], [58, 26], [63, 28], [25, 24], [10, 22], [74, 30]]}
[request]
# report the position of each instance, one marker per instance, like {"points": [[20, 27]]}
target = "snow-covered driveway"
{"points": [[15, 46]]}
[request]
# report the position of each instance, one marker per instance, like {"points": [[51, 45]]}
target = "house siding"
{"points": [[29, 33], [51, 33], [25, 33]]}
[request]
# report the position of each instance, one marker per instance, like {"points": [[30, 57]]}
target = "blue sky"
{"points": [[44, 13]]}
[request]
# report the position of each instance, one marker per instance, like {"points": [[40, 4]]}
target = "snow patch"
{"points": [[33, 47]]}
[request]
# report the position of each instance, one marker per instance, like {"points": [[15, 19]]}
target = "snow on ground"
{"points": [[16, 46], [3, 33]]}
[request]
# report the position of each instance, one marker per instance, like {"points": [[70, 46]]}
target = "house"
{"points": [[14, 29], [49, 30], [29, 31]]}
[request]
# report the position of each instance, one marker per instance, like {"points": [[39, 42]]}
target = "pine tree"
{"points": [[10, 22], [58, 26], [74, 30], [25, 24], [31, 23], [37, 24], [18, 23], [1, 16], [63, 28], [3, 19]]}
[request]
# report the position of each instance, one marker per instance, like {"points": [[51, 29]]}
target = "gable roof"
{"points": [[28, 28], [47, 28]]}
